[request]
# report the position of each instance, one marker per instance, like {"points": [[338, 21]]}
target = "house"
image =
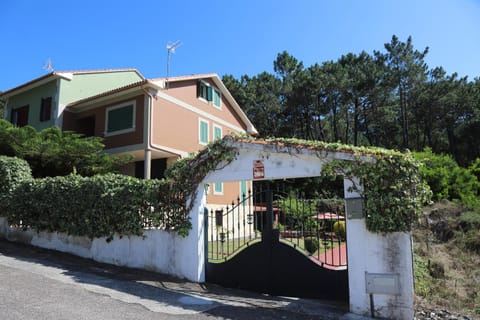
{"points": [[156, 120], [42, 101]]}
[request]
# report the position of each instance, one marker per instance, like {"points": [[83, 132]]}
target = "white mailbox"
{"points": [[382, 283]]}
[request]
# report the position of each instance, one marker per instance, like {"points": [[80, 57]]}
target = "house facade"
{"points": [[156, 120], [41, 102]]}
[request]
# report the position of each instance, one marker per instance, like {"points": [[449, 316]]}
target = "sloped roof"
{"points": [[60, 74], [220, 85], [158, 84]]}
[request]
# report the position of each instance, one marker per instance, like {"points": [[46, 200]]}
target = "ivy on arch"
{"points": [[391, 182]]}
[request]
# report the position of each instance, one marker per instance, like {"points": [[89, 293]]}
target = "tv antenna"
{"points": [[48, 65], [171, 49]]}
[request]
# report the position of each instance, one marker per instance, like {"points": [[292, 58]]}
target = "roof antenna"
{"points": [[48, 65], [171, 49]]}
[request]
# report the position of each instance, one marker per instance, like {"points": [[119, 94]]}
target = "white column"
{"points": [[385, 258], [192, 251]]}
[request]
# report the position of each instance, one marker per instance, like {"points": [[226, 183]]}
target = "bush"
{"points": [[53, 152], [13, 172], [98, 206], [311, 244], [339, 229], [447, 180]]}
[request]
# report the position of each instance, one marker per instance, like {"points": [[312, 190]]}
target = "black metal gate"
{"points": [[278, 244]]}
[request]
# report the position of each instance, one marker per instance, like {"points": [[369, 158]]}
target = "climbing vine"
{"points": [[389, 181], [187, 173]]}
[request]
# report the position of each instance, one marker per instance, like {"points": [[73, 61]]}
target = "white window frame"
{"points": [[200, 121], [216, 126], [215, 192], [214, 89], [119, 106], [206, 85]]}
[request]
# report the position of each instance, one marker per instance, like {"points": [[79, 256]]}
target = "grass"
{"points": [[447, 271], [220, 252]]}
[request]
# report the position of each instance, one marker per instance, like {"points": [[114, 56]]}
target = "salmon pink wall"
{"points": [[130, 138]]}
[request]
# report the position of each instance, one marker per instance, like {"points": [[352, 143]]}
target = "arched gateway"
{"points": [[379, 278]]}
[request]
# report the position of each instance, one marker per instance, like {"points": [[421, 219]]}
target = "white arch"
{"points": [[379, 265]]}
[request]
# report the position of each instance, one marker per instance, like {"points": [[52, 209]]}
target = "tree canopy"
{"points": [[389, 99], [53, 152]]}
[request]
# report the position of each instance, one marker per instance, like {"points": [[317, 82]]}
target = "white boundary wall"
{"points": [[157, 250]]}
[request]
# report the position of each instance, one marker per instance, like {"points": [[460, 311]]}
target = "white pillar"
{"points": [[385, 260], [192, 250]]}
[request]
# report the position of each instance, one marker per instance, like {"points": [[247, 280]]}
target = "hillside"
{"points": [[447, 262]]}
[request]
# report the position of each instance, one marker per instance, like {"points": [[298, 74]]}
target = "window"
{"points": [[120, 119], [203, 132], [218, 188], [208, 93], [204, 91], [46, 109], [19, 116], [217, 98], [217, 132]]}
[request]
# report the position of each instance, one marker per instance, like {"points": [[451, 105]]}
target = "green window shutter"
{"points": [[217, 133], [209, 93], [203, 132], [120, 119], [216, 98], [243, 189], [218, 187]]}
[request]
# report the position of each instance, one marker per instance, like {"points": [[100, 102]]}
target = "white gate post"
{"points": [[380, 266], [192, 250]]}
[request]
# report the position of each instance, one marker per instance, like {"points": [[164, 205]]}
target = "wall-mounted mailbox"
{"points": [[354, 208], [382, 283]]}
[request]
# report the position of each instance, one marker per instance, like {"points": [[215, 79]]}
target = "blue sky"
{"points": [[226, 37]]}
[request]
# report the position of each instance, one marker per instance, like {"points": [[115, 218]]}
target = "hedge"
{"points": [[13, 171], [98, 206]]}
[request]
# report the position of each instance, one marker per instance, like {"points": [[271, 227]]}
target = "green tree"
{"points": [[2, 105], [53, 152], [388, 99], [259, 98], [406, 71]]}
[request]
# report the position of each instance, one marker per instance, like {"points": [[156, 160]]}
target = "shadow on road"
{"points": [[169, 294]]}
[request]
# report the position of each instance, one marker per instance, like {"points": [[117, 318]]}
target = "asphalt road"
{"points": [[44, 284]]}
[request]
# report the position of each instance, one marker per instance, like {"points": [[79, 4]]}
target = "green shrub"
{"points": [[339, 229], [447, 180], [53, 152], [98, 206], [423, 279], [311, 244], [13, 171]]}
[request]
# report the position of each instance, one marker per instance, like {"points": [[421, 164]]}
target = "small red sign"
{"points": [[258, 169]]}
